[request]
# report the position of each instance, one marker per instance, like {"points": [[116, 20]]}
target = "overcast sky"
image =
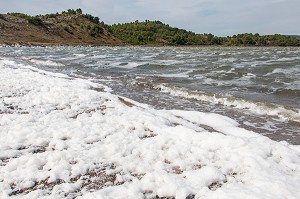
{"points": [[219, 17]]}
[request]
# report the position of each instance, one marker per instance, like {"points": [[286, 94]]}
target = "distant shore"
{"points": [[73, 28], [39, 44]]}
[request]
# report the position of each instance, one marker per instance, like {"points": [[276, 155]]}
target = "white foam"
{"points": [[79, 55], [284, 59], [247, 77], [58, 133]]}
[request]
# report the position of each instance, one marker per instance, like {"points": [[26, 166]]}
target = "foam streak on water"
{"points": [[258, 87]]}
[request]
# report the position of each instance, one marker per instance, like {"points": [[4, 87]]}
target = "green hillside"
{"points": [[156, 32], [249, 39], [296, 36]]}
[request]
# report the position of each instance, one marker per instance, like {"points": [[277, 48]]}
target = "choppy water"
{"points": [[258, 87]]}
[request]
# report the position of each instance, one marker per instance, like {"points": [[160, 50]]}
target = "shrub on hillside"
{"points": [[95, 30]]}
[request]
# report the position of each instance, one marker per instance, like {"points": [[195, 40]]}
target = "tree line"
{"points": [[156, 32]]}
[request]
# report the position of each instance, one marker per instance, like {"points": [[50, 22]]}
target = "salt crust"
{"points": [[58, 133]]}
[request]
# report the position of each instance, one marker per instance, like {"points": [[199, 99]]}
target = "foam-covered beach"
{"points": [[66, 137]]}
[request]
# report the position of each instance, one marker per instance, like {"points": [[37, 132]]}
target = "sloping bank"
{"points": [[62, 138]]}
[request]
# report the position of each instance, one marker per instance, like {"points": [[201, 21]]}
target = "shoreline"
{"points": [[40, 44]]}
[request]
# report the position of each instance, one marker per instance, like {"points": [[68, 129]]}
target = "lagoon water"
{"points": [[257, 87]]}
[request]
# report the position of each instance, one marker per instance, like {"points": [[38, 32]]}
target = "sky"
{"points": [[219, 17]]}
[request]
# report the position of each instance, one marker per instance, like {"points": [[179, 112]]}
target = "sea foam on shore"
{"points": [[61, 138]]}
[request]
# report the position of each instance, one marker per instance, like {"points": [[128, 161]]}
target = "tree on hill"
{"points": [[79, 11]]}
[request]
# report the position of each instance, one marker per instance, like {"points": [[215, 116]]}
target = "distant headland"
{"points": [[73, 27]]}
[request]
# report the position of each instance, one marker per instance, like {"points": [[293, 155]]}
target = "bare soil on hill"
{"points": [[59, 30]]}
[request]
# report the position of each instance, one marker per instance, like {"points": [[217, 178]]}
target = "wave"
{"points": [[287, 92], [176, 75], [152, 66], [127, 65], [260, 108], [45, 62], [286, 71]]}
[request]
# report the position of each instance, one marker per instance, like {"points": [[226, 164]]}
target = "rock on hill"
{"points": [[56, 29]]}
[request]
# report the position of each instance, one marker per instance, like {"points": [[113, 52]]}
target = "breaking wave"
{"points": [[45, 63], [260, 108]]}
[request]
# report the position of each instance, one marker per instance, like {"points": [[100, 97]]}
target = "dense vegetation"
{"points": [[156, 32], [249, 39], [296, 36]]}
